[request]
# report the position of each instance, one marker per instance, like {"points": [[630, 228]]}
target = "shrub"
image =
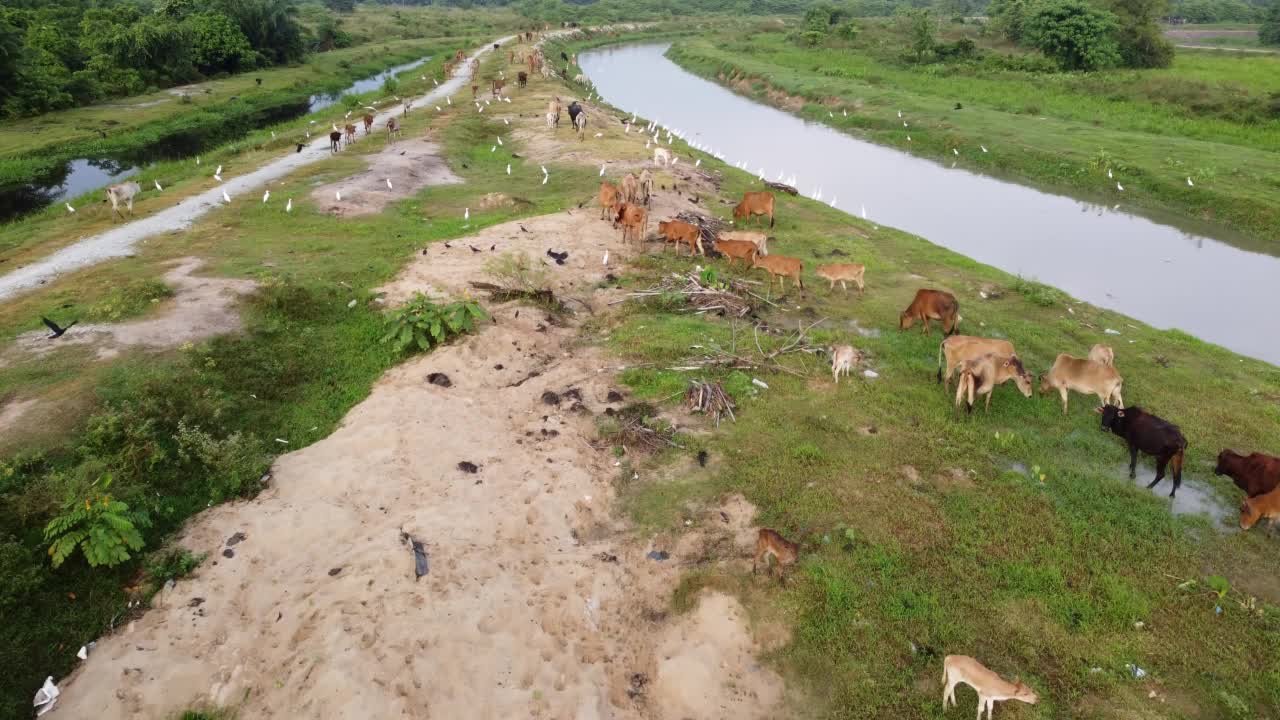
{"points": [[230, 465], [421, 324], [172, 565], [1076, 34], [1269, 31], [1038, 293], [103, 528]]}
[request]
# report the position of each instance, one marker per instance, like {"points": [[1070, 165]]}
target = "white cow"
{"points": [[122, 193]]}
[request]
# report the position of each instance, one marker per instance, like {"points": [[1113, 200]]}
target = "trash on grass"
{"points": [[46, 696]]}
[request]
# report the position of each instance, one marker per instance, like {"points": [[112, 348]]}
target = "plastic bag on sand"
{"points": [[46, 696]]}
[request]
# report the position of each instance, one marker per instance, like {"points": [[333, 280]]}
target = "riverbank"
{"points": [[1012, 536], [1054, 131]]}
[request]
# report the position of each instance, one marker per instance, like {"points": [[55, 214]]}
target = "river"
{"points": [[1159, 274], [83, 175]]}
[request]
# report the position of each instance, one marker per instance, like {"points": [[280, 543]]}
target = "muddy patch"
{"points": [[396, 172], [201, 307]]}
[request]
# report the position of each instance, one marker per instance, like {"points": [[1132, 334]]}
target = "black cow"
{"points": [[564, 56], [574, 110], [1148, 433]]}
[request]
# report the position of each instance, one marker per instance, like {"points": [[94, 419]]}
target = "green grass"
{"points": [[1211, 116]]}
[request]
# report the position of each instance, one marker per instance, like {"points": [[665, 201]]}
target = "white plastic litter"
{"points": [[871, 374], [46, 696], [351, 304], [1109, 331], [759, 383]]}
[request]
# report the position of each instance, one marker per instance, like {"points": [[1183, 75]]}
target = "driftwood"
{"points": [[781, 187], [709, 398], [743, 358]]}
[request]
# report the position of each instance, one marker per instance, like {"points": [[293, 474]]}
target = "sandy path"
{"points": [[119, 241], [538, 602]]}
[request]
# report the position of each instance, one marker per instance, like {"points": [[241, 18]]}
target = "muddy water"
{"points": [[1162, 275], [83, 175]]}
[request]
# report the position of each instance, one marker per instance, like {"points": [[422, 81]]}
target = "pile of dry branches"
{"points": [[708, 227], [743, 355], [727, 299], [709, 398]]}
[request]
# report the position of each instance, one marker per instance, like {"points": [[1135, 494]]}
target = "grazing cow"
{"points": [[349, 131], [780, 267], [959, 349], [393, 129], [1083, 376], [609, 200], [408, 105], [784, 552], [335, 140], [1255, 474], [735, 249], [630, 189], [564, 56], [457, 56], [522, 78], [754, 203], [553, 112], [646, 187], [634, 220], [661, 156], [448, 69], [1150, 434], [981, 375], [1254, 509], [122, 193], [680, 232], [1102, 354], [932, 305], [991, 687], [842, 273], [578, 116], [760, 239], [498, 85], [843, 358], [368, 123]]}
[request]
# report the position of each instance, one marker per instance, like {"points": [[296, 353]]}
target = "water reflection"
{"points": [[1095, 251]]}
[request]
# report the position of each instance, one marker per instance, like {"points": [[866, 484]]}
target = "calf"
{"points": [[350, 132], [738, 249], [553, 112], [1254, 509], [754, 236], [754, 203], [1083, 376], [498, 85], [780, 267], [981, 375], [579, 121], [393, 129], [1255, 474], [122, 193], [368, 123], [843, 273], [959, 349], [609, 199], [646, 187], [771, 543], [474, 89], [843, 358], [634, 220], [990, 687], [335, 140], [1102, 354], [522, 78], [680, 232], [932, 305], [1148, 433]]}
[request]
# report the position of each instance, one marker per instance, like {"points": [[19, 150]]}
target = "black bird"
{"points": [[492, 247], [300, 146], [564, 56], [559, 257], [57, 331], [959, 106], [448, 245], [524, 229], [473, 248]]}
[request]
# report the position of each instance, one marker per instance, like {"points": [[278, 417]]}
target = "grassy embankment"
{"points": [[1045, 577], [1038, 556], [1212, 117], [181, 429]]}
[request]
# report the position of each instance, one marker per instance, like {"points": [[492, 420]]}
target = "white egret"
{"points": [[389, 187], [466, 214], [266, 196], [288, 207], [157, 182], [225, 196], [69, 208], [337, 194]]}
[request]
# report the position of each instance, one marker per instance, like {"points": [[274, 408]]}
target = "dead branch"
{"points": [[709, 398], [543, 297]]}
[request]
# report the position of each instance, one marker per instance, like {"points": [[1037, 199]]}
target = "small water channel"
{"points": [[83, 175], [1165, 276]]}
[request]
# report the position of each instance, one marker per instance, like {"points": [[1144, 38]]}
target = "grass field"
{"points": [[1013, 536], [1209, 117]]}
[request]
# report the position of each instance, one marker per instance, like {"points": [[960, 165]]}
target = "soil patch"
{"points": [[201, 307], [409, 165], [13, 411]]}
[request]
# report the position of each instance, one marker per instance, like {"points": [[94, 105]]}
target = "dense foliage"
{"points": [[1076, 34], [1269, 33], [67, 53]]}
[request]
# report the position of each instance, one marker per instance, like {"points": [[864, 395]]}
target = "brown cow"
{"points": [[609, 200], [780, 267], [784, 552], [1255, 474], [1254, 509], [457, 56], [735, 249], [981, 376], [760, 239], [843, 273], [630, 188], [681, 232], [474, 89], [959, 349], [754, 203], [498, 84], [634, 220], [1083, 376], [368, 123], [932, 305], [350, 132]]}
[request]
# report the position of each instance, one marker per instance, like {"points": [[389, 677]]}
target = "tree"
{"points": [[1142, 43], [1076, 34], [918, 25], [218, 45], [1008, 17], [1269, 33]]}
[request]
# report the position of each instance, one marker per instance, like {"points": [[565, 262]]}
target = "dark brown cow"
{"points": [[932, 305], [368, 123], [754, 203], [1150, 434], [522, 78], [335, 141], [1255, 474]]}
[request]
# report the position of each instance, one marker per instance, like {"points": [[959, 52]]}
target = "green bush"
{"points": [[171, 565], [421, 324], [1076, 34], [103, 528]]}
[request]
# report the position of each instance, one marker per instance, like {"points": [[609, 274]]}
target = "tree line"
{"points": [[57, 54]]}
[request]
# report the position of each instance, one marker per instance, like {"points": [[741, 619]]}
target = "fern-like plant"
{"points": [[420, 324], [104, 529]]}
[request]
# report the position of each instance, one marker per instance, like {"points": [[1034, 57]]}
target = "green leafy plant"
{"points": [[103, 528], [420, 324], [172, 565]]}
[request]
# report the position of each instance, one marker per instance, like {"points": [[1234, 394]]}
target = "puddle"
{"points": [[1193, 498]]}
